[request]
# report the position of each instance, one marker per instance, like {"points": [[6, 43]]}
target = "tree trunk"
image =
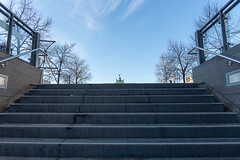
{"points": [[59, 73], [183, 77], [58, 80]]}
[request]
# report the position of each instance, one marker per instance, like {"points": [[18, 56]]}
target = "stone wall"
{"points": [[213, 73], [21, 75]]}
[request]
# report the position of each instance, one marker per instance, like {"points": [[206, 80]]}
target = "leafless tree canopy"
{"points": [[177, 52], [67, 67], [176, 64], [60, 56], [164, 69], [77, 71]]}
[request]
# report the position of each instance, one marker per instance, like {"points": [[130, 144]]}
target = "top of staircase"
{"points": [[118, 86]]}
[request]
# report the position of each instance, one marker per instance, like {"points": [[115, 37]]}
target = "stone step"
{"points": [[148, 91], [119, 118], [117, 86], [109, 149], [119, 121], [59, 158], [118, 141], [119, 99], [119, 131], [117, 108]]}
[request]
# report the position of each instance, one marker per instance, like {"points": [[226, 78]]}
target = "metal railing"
{"points": [[219, 55], [28, 52], [220, 20], [13, 20], [34, 51]]}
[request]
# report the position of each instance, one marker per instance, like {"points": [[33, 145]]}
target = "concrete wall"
{"points": [[213, 73], [20, 76]]}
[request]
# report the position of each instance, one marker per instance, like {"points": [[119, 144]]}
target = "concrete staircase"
{"points": [[119, 121]]}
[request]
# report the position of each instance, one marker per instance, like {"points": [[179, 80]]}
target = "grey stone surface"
{"points": [[20, 75], [122, 150], [134, 121], [115, 107], [213, 72], [119, 118], [57, 158], [119, 99], [120, 131], [118, 86], [161, 91]]}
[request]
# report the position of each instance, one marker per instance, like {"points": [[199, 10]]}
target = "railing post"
{"points": [[224, 32], [9, 39], [35, 44], [199, 43]]}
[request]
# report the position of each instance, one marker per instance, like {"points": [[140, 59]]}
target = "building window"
{"points": [[3, 81], [233, 78]]}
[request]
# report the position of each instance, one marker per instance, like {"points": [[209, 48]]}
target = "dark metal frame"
{"points": [[219, 16], [13, 19]]}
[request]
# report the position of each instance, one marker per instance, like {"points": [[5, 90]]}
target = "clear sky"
{"points": [[121, 36]]}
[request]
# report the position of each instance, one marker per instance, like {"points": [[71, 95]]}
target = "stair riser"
{"points": [[120, 150], [57, 158], [116, 86], [120, 132], [118, 92], [81, 108], [118, 119], [122, 99]]}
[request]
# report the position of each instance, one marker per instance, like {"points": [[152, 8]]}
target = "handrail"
{"points": [[19, 55], [220, 55]]}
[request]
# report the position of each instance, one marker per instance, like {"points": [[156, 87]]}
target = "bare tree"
{"points": [[78, 71], [177, 52], [164, 69], [60, 57]]}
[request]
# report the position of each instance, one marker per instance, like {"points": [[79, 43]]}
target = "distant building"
{"points": [[189, 79], [119, 80]]}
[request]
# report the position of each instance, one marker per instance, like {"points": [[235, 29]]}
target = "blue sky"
{"points": [[121, 36]]}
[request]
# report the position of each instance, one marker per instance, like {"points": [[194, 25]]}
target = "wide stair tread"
{"points": [[120, 131], [73, 148], [119, 99], [116, 86], [57, 158], [147, 91], [116, 107], [120, 118], [152, 141]]}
